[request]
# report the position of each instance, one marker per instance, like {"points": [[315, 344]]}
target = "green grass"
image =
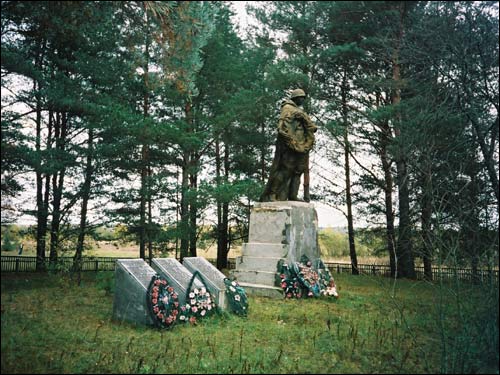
{"points": [[49, 325]]}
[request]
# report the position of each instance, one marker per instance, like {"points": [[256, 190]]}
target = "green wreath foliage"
{"points": [[237, 297], [302, 279]]}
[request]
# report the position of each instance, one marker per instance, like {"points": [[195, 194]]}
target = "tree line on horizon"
{"points": [[150, 114]]}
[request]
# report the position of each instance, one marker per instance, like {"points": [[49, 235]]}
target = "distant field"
{"points": [[116, 249]]}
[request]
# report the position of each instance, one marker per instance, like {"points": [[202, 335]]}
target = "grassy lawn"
{"points": [[49, 325]]}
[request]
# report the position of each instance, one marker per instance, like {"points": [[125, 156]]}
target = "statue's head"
{"points": [[298, 96]]}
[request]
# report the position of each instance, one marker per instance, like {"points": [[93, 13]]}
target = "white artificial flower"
{"points": [[191, 295], [203, 290], [237, 297], [234, 283], [193, 302], [232, 289], [203, 312]]}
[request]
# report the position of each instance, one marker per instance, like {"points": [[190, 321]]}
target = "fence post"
{"points": [[96, 265], [17, 264]]}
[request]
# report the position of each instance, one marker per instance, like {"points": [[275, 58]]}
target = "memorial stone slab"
{"points": [[132, 278], [176, 274], [212, 276]]}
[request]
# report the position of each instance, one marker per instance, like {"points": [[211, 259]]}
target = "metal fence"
{"points": [[438, 273], [28, 264]]}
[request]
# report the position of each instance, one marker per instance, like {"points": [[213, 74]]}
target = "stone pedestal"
{"points": [[278, 230]]}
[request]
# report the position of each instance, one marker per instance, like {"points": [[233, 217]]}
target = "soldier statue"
{"points": [[295, 140]]}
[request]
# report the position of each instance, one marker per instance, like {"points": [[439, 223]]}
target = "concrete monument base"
{"points": [[278, 230]]}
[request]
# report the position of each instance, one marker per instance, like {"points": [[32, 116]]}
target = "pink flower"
{"points": [[194, 309], [156, 309], [283, 285], [176, 304], [164, 282], [155, 301], [289, 295], [203, 312], [157, 282], [310, 294], [192, 320], [282, 276], [170, 289]]}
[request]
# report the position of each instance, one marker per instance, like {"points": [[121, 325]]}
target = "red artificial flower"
{"points": [[155, 301], [170, 289]]}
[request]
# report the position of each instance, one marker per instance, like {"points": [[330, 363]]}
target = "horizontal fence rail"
{"points": [[438, 273], [28, 264]]}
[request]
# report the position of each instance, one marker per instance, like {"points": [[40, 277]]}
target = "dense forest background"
{"points": [[155, 115]]}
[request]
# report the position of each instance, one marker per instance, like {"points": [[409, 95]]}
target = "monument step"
{"points": [[256, 277], [257, 263], [262, 290], [264, 250]]}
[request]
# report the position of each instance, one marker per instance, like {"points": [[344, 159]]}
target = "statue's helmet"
{"points": [[296, 93]]}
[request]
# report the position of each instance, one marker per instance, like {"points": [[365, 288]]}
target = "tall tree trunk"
{"points": [[225, 208], [144, 192], [150, 218], [347, 170], [221, 259], [193, 212], [60, 134], [77, 260], [186, 164], [263, 152], [307, 179], [404, 246], [385, 136], [426, 219], [41, 209]]}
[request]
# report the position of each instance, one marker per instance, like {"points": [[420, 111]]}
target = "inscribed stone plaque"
{"points": [[176, 274], [212, 276], [132, 278]]}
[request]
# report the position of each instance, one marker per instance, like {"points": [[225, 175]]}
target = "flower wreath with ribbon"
{"points": [[302, 279], [199, 301], [163, 302], [237, 297]]}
